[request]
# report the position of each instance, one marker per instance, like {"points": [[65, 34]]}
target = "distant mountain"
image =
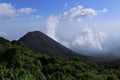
{"points": [[42, 43]]}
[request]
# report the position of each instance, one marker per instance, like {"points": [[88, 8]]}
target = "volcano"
{"points": [[42, 43]]}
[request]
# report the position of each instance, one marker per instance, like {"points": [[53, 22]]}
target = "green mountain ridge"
{"points": [[18, 62]]}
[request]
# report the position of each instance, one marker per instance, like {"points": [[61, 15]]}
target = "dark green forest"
{"points": [[17, 62]]}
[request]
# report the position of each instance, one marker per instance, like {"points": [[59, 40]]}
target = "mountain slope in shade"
{"points": [[42, 43]]}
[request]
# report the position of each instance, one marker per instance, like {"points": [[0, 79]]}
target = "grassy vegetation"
{"points": [[17, 62]]}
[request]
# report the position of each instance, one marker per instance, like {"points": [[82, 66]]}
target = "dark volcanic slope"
{"points": [[42, 43]]}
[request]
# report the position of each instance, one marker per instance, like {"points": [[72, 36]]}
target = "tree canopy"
{"points": [[17, 62]]}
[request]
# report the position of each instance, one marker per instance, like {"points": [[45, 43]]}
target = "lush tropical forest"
{"points": [[17, 62]]}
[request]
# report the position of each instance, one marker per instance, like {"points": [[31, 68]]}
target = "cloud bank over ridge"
{"points": [[90, 39]]}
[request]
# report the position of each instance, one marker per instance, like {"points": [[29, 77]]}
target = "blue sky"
{"points": [[46, 8], [80, 22]]}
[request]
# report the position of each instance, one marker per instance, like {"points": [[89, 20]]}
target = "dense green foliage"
{"points": [[17, 62]]}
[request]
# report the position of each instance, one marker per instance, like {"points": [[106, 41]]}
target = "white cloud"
{"points": [[103, 10], [38, 16], [78, 13], [64, 43], [75, 13], [101, 36], [52, 23], [89, 39], [3, 33], [25, 10], [7, 10]]}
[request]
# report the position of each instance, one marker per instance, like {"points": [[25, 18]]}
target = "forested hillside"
{"points": [[17, 62]]}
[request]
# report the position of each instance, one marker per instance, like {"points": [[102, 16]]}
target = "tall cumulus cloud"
{"points": [[76, 13]]}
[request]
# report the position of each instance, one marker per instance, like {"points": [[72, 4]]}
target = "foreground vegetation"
{"points": [[17, 62]]}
